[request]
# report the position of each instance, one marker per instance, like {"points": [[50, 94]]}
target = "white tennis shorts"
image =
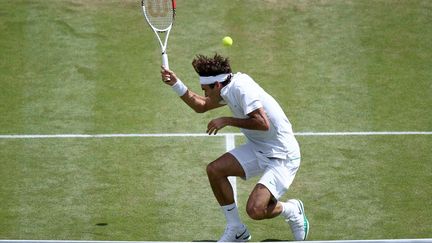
{"points": [[277, 174]]}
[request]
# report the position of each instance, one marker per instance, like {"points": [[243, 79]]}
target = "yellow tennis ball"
{"points": [[227, 41]]}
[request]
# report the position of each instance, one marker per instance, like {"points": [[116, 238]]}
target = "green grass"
{"points": [[92, 67], [63, 190]]}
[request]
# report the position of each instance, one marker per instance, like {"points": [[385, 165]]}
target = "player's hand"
{"points": [[168, 76], [215, 125]]}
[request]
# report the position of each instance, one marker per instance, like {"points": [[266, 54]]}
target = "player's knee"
{"points": [[256, 213], [212, 169]]}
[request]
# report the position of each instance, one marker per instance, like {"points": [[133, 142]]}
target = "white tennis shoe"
{"points": [[298, 221], [235, 234]]}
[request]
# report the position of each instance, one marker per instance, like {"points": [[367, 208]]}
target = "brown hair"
{"points": [[211, 66]]}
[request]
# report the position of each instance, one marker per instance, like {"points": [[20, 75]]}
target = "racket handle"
{"points": [[165, 60]]}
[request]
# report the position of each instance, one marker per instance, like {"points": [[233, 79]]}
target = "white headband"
{"points": [[214, 79]]}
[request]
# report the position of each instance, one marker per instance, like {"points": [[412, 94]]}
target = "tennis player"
{"points": [[271, 150]]}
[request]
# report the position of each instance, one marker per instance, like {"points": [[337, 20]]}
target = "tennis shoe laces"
{"points": [[235, 234], [298, 221]]}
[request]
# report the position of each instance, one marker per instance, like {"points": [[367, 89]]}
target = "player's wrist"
{"points": [[179, 87]]}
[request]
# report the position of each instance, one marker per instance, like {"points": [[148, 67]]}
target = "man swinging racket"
{"points": [[271, 150]]}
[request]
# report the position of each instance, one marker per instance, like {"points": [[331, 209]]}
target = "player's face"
{"points": [[212, 93]]}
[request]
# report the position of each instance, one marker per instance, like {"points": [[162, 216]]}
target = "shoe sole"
{"points": [[306, 221]]}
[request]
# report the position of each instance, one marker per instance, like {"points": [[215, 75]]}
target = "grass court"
{"points": [[92, 67]]}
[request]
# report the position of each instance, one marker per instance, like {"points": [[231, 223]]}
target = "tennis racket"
{"points": [[160, 14]]}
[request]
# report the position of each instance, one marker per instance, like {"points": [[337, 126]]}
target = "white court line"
{"points": [[426, 240], [114, 135], [229, 145], [129, 135], [363, 133]]}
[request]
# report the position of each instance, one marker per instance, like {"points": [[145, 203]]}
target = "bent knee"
{"points": [[212, 169], [256, 213]]}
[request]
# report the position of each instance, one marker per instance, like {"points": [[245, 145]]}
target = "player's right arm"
{"points": [[198, 103]]}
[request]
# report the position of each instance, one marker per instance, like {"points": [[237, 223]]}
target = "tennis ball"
{"points": [[227, 41]]}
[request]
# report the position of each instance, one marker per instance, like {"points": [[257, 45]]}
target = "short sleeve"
{"points": [[249, 99]]}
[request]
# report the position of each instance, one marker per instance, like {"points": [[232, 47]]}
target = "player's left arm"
{"points": [[257, 120]]}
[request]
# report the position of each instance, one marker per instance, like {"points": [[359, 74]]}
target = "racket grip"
{"points": [[165, 60]]}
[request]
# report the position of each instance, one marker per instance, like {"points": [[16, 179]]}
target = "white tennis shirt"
{"points": [[243, 95]]}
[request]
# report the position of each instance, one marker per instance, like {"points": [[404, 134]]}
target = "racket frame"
{"points": [[158, 32]]}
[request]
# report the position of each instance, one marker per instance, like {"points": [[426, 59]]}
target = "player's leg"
{"points": [[262, 204], [263, 201], [218, 172], [238, 162]]}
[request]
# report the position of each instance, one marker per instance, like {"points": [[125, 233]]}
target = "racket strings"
{"points": [[159, 13]]}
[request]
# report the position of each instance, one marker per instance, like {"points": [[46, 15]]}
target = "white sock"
{"points": [[287, 210], [232, 215]]}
